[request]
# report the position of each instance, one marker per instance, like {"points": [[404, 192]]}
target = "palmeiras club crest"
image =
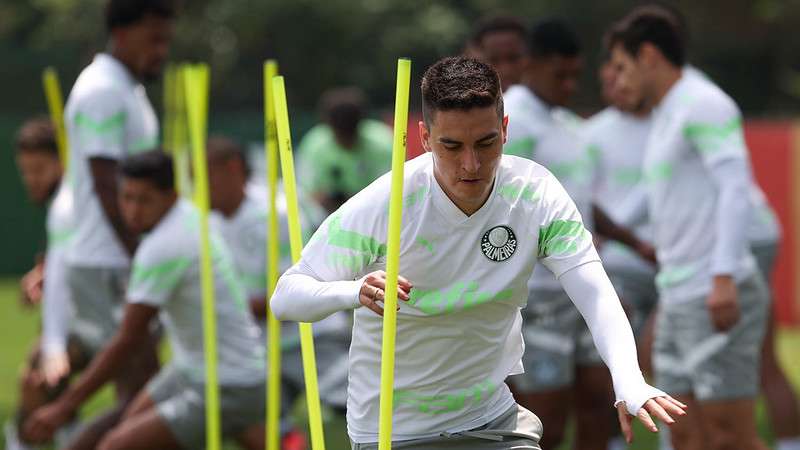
{"points": [[499, 243]]}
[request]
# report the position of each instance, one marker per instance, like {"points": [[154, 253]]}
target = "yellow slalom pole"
{"points": [[273, 260], [196, 84], [179, 133], [296, 241], [393, 253], [55, 103]]}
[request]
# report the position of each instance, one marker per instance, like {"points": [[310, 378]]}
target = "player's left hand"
{"points": [[32, 284], [44, 422], [662, 408]]}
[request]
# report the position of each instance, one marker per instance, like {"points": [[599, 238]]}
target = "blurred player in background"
{"points": [[241, 212], [49, 364], [170, 412], [713, 310], [563, 371], [107, 117], [344, 154]]}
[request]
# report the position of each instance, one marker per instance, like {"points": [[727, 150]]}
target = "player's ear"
{"points": [[424, 135], [505, 128], [647, 55]]}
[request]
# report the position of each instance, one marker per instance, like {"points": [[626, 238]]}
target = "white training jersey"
{"points": [[550, 137], [458, 337], [695, 128], [245, 233], [107, 115], [56, 301], [616, 143], [764, 228], [166, 275]]}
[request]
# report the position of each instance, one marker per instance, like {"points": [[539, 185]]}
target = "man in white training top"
{"points": [[713, 302], [475, 223]]}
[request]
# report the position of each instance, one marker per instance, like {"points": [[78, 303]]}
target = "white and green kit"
{"points": [[166, 275], [459, 335], [108, 116], [698, 185]]}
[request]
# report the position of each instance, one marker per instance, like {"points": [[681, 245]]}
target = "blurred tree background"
{"points": [[748, 46]]}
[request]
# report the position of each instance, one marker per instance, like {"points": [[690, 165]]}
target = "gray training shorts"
{"points": [[557, 341], [98, 296], [691, 357], [517, 428], [180, 402]]}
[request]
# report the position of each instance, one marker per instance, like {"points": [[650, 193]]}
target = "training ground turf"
{"points": [[19, 326]]}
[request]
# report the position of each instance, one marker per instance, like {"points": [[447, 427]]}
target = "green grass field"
{"points": [[20, 327]]}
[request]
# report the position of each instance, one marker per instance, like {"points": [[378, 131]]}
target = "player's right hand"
{"points": [[54, 367], [373, 287], [722, 303]]}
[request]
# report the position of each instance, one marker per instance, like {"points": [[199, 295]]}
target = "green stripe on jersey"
{"points": [[523, 147], [110, 124], [161, 277], [560, 237], [351, 240], [710, 138]]}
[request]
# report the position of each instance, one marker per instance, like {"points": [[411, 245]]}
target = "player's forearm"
{"points": [[55, 305], [300, 297], [104, 176], [102, 369], [732, 178], [606, 227], [590, 289]]}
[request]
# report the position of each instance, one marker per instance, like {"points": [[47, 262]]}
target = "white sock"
{"points": [[617, 443], [788, 444]]}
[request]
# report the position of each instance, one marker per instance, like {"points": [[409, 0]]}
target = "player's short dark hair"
{"points": [[222, 148], [343, 109], [154, 166], [664, 28], [553, 37], [121, 13], [37, 135], [460, 83], [498, 24]]}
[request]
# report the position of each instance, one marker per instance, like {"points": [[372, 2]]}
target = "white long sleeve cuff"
{"points": [[592, 293], [301, 297], [56, 307]]}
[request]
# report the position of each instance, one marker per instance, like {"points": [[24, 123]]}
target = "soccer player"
{"points": [[108, 116], [50, 364], [713, 308], [170, 412], [341, 156], [475, 223], [563, 371]]}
